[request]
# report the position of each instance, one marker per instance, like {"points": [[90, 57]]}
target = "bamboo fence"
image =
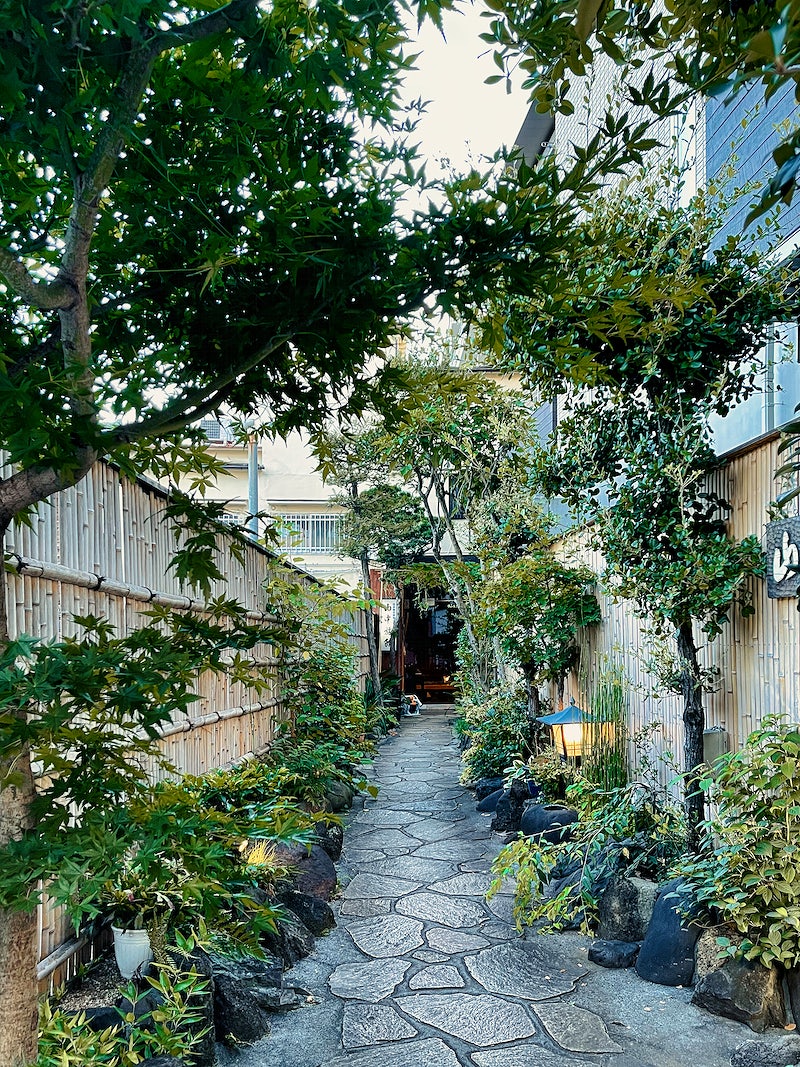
{"points": [[754, 663], [104, 548]]}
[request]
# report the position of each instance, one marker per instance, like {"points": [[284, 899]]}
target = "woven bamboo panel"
{"points": [[755, 660], [104, 548]]}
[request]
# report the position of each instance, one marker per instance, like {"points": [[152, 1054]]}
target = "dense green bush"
{"points": [[498, 731], [747, 872], [65, 1039], [634, 828]]}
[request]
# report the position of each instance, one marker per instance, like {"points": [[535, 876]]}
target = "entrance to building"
{"points": [[428, 630]]}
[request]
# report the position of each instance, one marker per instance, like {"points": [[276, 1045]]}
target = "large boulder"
{"points": [[291, 941], [667, 953], [614, 953], [330, 837], [508, 812], [310, 870], [489, 802], [625, 908], [339, 795], [744, 990], [549, 822], [782, 1052], [240, 989], [314, 913], [484, 786]]}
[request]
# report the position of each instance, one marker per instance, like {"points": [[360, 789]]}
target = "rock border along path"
{"points": [[422, 972]]}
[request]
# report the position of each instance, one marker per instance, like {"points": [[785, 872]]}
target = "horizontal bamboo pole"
{"points": [[217, 716], [55, 572]]}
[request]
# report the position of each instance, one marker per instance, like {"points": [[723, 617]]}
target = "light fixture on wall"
{"points": [[567, 727]]}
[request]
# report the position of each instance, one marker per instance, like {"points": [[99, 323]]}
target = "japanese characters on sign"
{"points": [[783, 557]]}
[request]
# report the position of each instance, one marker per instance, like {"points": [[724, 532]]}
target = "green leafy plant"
{"points": [[548, 769], [747, 871], [635, 829], [168, 1029], [498, 730]]}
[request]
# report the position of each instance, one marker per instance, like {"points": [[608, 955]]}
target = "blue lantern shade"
{"points": [[567, 727]]}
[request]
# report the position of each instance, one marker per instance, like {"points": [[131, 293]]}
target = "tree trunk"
{"points": [[534, 704], [693, 726], [372, 644], [18, 930]]}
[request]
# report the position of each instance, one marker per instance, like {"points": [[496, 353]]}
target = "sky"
{"points": [[464, 113]]}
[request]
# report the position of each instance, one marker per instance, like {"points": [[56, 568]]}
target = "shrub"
{"points": [[499, 731], [634, 828], [168, 1029], [747, 871]]}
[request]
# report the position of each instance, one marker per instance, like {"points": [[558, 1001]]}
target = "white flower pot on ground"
{"points": [[132, 951]]}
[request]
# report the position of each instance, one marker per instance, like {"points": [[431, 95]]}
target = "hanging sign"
{"points": [[783, 557]]}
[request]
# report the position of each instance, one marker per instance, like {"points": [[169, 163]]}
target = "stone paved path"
{"points": [[423, 972]]}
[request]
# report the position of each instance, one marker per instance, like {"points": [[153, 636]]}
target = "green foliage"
{"points": [[605, 735], [548, 769], [706, 46], [746, 873], [633, 829], [66, 1040], [389, 523], [536, 605], [498, 729], [91, 709]]}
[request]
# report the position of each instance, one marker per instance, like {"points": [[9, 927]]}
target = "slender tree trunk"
{"points": [[372, 644], [18, 930], [534, 703], [693, 726]]}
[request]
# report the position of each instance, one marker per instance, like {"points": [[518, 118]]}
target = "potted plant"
{"points": [[143, 900]]}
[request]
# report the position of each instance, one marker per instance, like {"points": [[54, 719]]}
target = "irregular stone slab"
{"points": [[437, 978], [455, 851], [438, 829], [482, 1020], [500, 931], [385, 937], [427, 1053], [503, 908], [370, 981], [451, 941], [576, 1029], [410, 867], [526, 969], [378, 818], [365, 1025], [463, 885], [361, 856], [383, 839], [526, 1056], [365, 908], [449, 911], [427, 955], [365, 886]]}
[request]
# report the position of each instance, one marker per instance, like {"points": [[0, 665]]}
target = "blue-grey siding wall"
{"points": [[752, 145]]}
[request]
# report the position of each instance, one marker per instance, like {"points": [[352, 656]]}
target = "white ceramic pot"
{"points": [[132, 951]]}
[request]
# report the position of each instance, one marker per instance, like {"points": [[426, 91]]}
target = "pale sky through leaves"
{"points": [[464, 114]]}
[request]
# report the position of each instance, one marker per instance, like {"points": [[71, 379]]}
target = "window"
{"points": [[306, 534]]}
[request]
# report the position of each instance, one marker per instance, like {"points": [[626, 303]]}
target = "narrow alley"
{"points": [[422, 971]]}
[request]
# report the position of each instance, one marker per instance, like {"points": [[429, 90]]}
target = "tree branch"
{"points": [[46, 296], [183, 410]]}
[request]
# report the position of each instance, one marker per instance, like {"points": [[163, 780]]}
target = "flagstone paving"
{"points": [[422, 972]]}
